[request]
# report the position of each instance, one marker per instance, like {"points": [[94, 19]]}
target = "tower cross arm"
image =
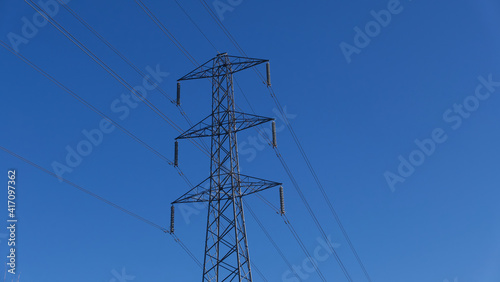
{"points": [[205, 128], [248, 185], [207, 70]]}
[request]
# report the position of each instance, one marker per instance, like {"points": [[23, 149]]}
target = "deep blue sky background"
{"points": [[354, 120]]}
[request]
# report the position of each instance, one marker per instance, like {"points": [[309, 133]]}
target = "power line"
{"points": [[276, 247], [196, 25], [186, 249], [94, 195], [313, 216], [94, 109], [162, 27], [258, 271], [114, 49], [124, 58], [306, 203], [94, 57], [84, 102], [102, 64], [85, 190]]}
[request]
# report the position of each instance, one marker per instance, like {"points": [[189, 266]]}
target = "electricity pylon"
{"points": [[226, 247]]}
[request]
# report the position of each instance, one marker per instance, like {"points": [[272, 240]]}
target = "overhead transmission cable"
{"points": [[94, 195], [280, 252], [124, 58], [84, 102], [196, 25], [162, 27], [106, 67]]}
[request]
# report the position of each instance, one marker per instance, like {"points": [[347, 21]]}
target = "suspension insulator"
{"points": [[176, 154], [178, 93], [282, 201], [275, 144], [268, 71], [172, 215]]}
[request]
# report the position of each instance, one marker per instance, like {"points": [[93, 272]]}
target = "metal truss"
{"points": [[226, 247], [249, 185]]}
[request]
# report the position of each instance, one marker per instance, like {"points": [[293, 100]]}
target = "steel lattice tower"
{"points": [[226, 247]]}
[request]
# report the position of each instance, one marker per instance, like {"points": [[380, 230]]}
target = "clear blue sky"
{"points": [[354, 120]]}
